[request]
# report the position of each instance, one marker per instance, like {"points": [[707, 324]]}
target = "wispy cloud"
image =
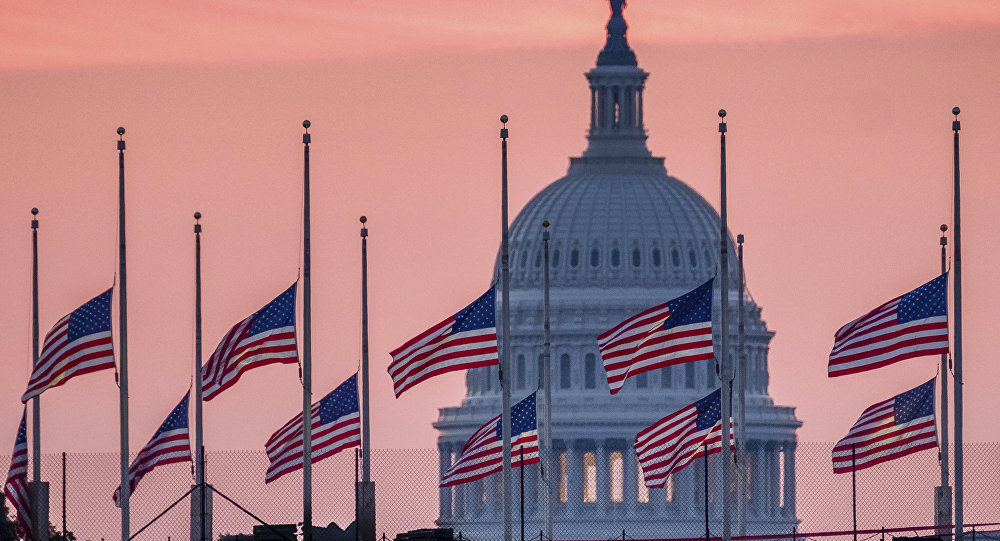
{"points": [[103, 33]]}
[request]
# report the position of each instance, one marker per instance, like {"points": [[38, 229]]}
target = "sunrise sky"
{"points": [[840, 173]]}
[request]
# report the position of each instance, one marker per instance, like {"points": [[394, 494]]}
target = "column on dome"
{"points": [[458, 495], [609, 107], [630, 478], [593, 108], [602, 482], [774, 479], [444, 462], [789, 507], [574, 478], [760, 481]]}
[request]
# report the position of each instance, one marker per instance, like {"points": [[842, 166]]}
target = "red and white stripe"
{"points": [[877, 339], [437, 351], [641, 344], [671, 443], [165, 448], [284, 448], [877, 438], [482, 455], [62, 359], [238, 353], [16, 485]]}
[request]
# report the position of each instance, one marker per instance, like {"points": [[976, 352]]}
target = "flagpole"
{"points": [[198, 519], [957, 251], [306, 348], [854, 490], [724, 364], [547, 392], [505, 336], [943, 498], [365, 527], [741, 404], [123, 341], [707, 531], [39, 494]]}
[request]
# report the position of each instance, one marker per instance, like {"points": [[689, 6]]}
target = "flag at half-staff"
{"points": [[911, 325], [266, 337], [482, 455], [16, 485], [670, 444], [679, 331], [336, 425], [888, 430], [467, 339], [78, 344], [171, 443]]}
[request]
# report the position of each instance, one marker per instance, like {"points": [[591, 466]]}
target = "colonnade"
{"points": [[590, 482]]}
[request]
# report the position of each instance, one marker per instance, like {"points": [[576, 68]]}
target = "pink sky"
{"points": [[840, 169]]}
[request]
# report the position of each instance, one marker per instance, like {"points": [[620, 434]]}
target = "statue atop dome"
{"points": [[616, 51]]}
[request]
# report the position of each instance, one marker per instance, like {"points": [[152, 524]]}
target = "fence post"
{"points": [[883, 533]]}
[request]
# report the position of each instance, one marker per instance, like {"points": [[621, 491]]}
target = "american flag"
{"points": [[679, 331], [912, 325], [336, 425], [466, 340], [78, 344], [16, 486], [266, 337], [170, 444], [671, 443], [890, 429], [482, 455]]}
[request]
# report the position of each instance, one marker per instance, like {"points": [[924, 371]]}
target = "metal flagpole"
{"points": [[957, 347], [741, 403], [366, 490], [547, 461], [854, 491], [306, 348], [198, 522], [505, 334], [521, 468], [942, 496], [39, 491], [707, 531], [123, 341], [724, 364]]}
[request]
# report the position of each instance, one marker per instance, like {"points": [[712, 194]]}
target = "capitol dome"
{"points": [[624, 236]]}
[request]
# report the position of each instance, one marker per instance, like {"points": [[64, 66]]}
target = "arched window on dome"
{"points": [[657, 258], [675, 257], [590, 371], [615, 467], [616, 257], [522, 380], [555, 257], [538, 260], [636, 257], [692, 258], [689, 375], [642, 380], [564, 373], [589, 477], [574, 257], [524, 255], [595, 257]]}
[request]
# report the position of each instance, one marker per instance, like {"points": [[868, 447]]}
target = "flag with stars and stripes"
{"points": [[482, 455], [336, 425], [78, 344], [912, 325], [171, 443], [16, 485], [266, 337], [679, 331], [890, 429], [466, 340], [671, 443]]}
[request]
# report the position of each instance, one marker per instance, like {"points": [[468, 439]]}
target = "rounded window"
{"points": [[657, 257], [595, 257], [538, 259], [675, 257], [616, 257], [693, 258], [636, 257], [555, 258], [574, 258]]}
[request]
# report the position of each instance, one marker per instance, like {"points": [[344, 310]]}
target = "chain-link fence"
{"points": [[893, 495]]}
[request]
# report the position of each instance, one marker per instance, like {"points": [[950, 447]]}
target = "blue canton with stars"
{"points": [[481, 314], [709, 410], [692, 307], [340, 402], [22, 432], [276, 314], [913, 404], [928, 300], [177, 418], [91, 318], [522, 417]]}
